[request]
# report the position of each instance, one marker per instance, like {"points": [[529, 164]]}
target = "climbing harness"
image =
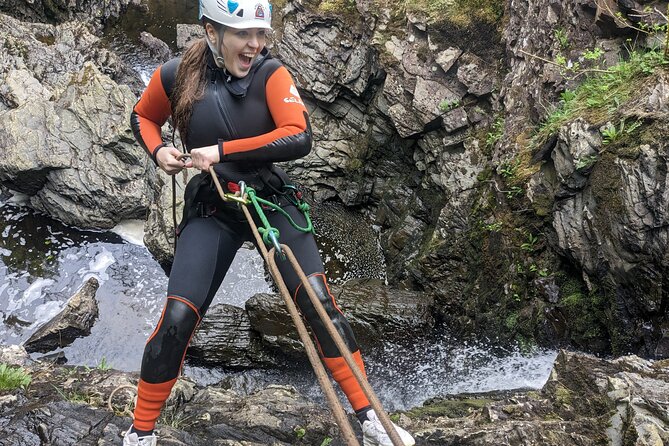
{"points": [[244, 195], [270, 237]]}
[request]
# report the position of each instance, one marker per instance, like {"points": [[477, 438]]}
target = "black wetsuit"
{"points": [[255, 120]]}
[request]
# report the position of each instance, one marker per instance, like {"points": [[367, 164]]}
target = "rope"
{"points": [[126, 409], [181, 156], [302, 206], [312, 354], [341, 345]]}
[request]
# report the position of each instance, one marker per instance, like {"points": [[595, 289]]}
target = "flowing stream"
{"points": [[42, 263]]}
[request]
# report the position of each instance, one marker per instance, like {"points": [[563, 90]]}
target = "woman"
{"points": [[237, 109]]}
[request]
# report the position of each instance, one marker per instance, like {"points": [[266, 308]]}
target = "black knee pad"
{"points": [[328, 347], [164, 352]]}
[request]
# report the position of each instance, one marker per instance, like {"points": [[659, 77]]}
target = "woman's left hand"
{"points": [[204, 157]]}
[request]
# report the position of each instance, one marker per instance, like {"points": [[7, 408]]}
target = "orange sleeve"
{"points": [[150, 113], [287, 110]]}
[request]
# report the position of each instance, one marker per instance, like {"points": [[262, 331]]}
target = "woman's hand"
{"points": [[167, 158], [204, 157]]}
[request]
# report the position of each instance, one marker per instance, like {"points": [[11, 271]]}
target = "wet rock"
{"points": [[586, 401], [631, 386], [606, 229], [267, 416], [582, 403], [376, 313], [73, 322], [225, 338], [187, 33], [95, 12], [576, 152], [72, 406], [379, 313], [69, 146], [160, 227], [158, 49], [473, 73], [270, 319], [14, 355], [230, 336]]}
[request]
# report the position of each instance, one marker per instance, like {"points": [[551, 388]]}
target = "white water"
{"points": [[132, 231], [406, 376], [440, 367]]}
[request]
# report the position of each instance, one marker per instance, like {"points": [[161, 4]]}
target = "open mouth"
{"points": [[245, 60]]}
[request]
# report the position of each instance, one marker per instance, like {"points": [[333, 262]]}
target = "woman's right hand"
{"points": [[167, 158]]}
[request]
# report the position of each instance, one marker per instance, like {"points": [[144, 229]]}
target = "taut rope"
{"points": [[321, 374]]}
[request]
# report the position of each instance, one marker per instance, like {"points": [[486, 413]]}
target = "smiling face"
{"points": [[239, 47]]}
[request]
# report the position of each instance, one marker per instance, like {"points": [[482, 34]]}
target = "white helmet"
{"points": [[238, 14]]}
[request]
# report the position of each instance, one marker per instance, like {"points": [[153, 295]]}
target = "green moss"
{"points": [[47, 40], [278, 4], [511, 321], [354, 164], [485, 174], [543, 204], [338, 7], [606, 182], [533, 394], [563, 396], [622, 339], [449, 408], [587, 315], [458, 12]]}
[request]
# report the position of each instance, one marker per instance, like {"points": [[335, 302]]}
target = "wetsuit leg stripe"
{"points": [[150, 399], [199, 319], [342, 373], [162, 315], [334, 303], [189, 303]]}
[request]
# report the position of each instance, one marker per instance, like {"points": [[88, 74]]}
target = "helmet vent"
{"points": [[240, 13]]}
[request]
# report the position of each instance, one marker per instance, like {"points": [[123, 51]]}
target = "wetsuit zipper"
{"points": [[224, 110]]}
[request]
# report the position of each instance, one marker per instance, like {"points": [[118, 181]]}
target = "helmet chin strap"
{"points": [[218, 58]]}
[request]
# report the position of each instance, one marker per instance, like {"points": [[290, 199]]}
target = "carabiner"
{"points": [[277, 245], [242, 188]]}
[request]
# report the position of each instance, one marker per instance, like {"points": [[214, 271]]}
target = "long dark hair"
{"points": [[189, 86]]}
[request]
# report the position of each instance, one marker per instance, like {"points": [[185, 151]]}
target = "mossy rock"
{"points": [[451, 408]]}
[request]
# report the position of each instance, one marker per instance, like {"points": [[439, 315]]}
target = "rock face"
{"points": [[376, 313], [560, 243], [64, 127], [263, 334], [586, 401], [609, 219], [94, 12], [74, 321], [225, 338], [160, 230]]}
